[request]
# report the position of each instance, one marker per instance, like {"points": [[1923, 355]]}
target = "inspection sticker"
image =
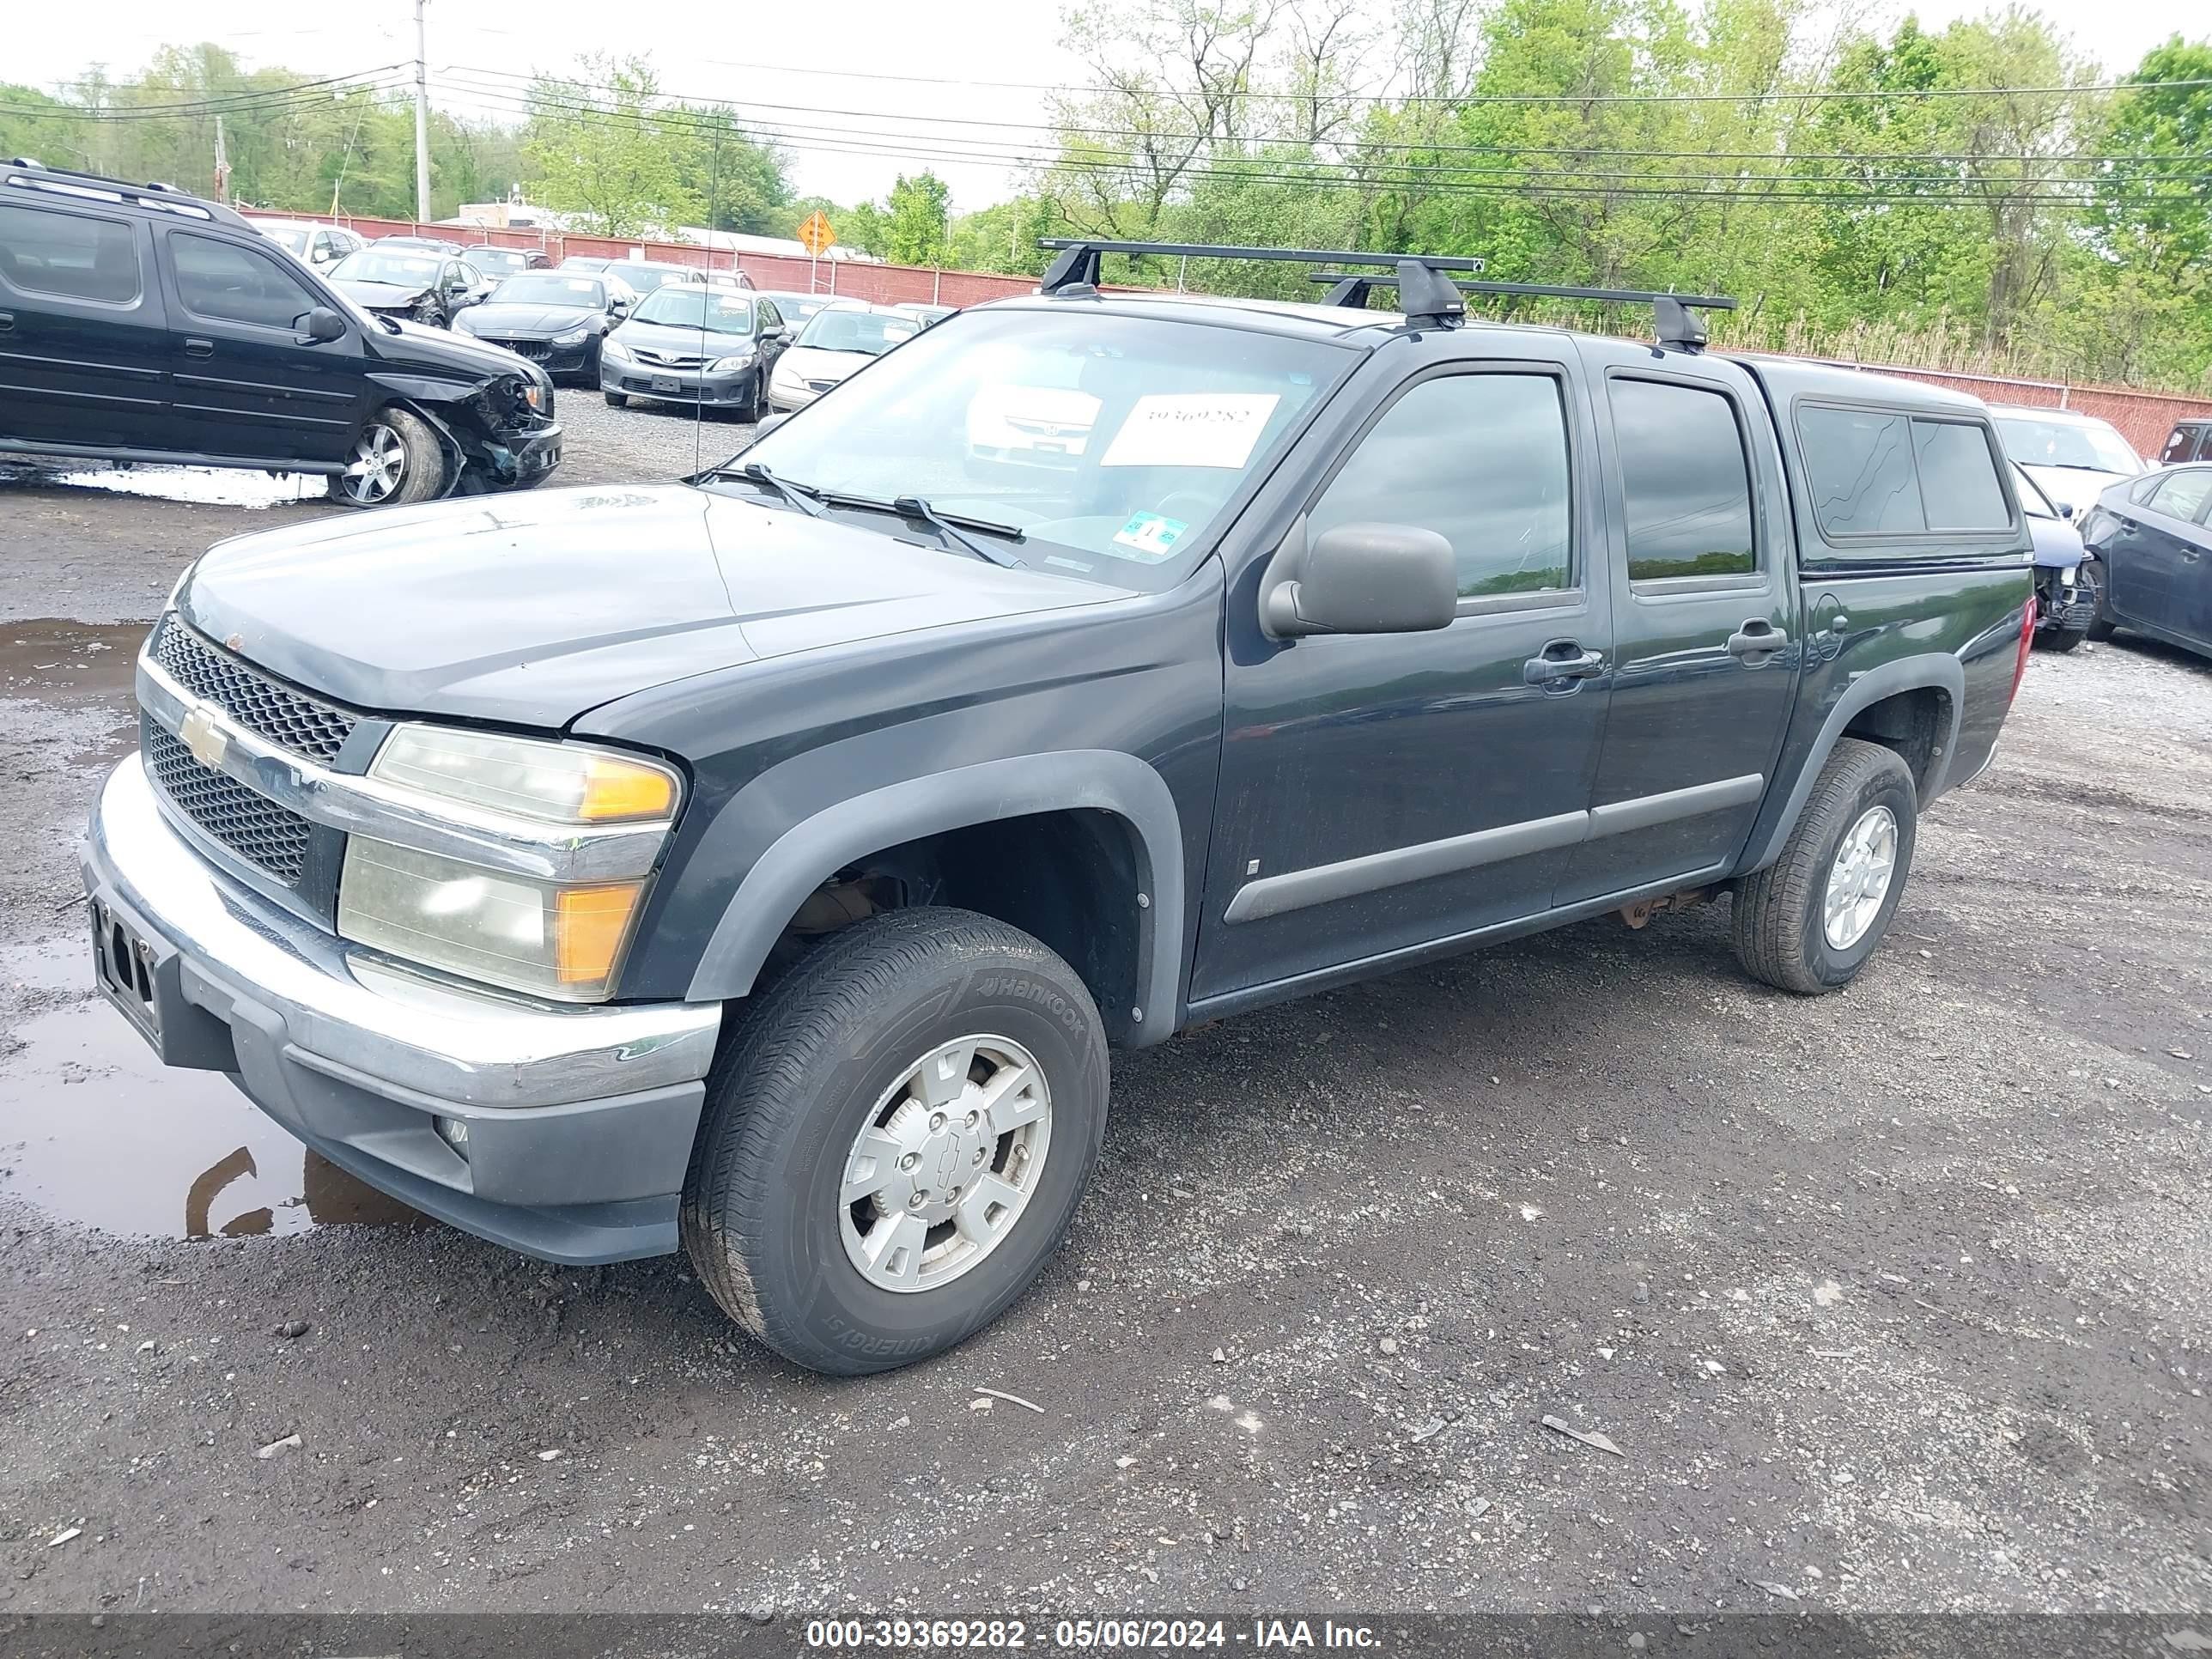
{"points": [[1150, 534], [1202, 428]]}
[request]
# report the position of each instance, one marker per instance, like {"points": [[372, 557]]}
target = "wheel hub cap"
{"points": [[945, 1164], [379, 459], [1858, 880]]}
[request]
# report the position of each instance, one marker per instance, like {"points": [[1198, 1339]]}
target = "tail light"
{"points": [[2026, 643]]}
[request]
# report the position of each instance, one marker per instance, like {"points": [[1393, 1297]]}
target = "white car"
{"points": [[317, 246], [2074, 458], [844, 335]]}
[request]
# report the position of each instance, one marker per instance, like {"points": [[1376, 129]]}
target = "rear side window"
{"points": [[2182, 495], [1958, 486], [233, 284], [1481, 459], [1861, 463], [70, 254], [1685, 482], [2177, 447]]}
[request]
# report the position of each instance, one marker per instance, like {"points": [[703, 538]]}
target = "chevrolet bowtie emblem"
{"points": [[203, 738]]}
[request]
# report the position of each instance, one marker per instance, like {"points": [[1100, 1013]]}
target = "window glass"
{"points": [[2181, 495], [236, 284], [1685, 482], [2177, 447], [66, 253], [1958, 486], [1861, 470], [1481, 459]]}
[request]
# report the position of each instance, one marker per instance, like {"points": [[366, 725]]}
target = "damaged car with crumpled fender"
{"points": [[148, 326]]}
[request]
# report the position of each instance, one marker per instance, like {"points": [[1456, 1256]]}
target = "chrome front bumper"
{"points": [[579, 1121]]}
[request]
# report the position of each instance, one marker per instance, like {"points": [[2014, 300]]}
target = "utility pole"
{"points": [[222, 165], [422, 121]]}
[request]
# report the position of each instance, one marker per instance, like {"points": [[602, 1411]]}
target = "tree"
{"points": [[601, 147], [919, 211]]}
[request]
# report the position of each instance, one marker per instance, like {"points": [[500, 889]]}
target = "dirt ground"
{"points": [[1895, 1300]]}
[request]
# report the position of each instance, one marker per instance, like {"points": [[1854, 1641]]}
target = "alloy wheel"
{"points": [[1858, 880], [377, 465]]}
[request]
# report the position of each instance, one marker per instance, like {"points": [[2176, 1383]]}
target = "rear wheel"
{"points": [[1808, 921], [896, 1136], [395, 460], [2101, 626]]}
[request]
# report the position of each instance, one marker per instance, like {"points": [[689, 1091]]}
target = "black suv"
{"points": [[140, 323]]}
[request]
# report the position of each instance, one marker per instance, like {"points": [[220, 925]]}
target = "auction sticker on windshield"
{"points": [[1200, 428], [1151, 534]]}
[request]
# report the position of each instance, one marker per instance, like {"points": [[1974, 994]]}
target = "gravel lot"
{"points": [[1895, 1300]]}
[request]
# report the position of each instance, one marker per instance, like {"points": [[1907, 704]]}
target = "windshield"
{"points": [[645, 278], [495, 260], [1114, 442], [2090, 446], [290, 236], [869, 332], [798, 307], [551, 288], [717, 313], [381, 266]]}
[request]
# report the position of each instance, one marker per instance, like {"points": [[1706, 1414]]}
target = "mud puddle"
{"points": [[95, 1131], [67, 685], [199, 485]]}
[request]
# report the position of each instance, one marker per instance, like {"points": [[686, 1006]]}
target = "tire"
{"points": [[1779, 917], [617, 399], [390, 434], [2101, 626], [833, 1049], [2062, 640]]}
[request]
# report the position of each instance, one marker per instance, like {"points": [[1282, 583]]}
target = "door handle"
{"points": [[7, 322], [199, 348], [1756, 638], [1562, 660]]}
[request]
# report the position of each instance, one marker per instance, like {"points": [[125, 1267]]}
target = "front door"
{"points": [[1706, 666], [1382, 791], [83, 343], [253, 384]]}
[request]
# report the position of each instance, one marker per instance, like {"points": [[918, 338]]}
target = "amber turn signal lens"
{"points": [[616, 789], [589, 924]]}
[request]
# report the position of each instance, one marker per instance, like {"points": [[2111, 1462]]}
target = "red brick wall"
{"points": [[2143, 418]]}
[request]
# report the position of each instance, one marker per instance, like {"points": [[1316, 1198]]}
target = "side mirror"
{"points": [[1366, 579], [325, 325], [768, 423]]}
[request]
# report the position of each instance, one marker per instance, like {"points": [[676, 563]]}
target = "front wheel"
{"points": [[395, 460], [1808, 921], [896, 1137]]}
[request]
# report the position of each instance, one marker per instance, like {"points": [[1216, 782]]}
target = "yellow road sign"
{"points": [[817, 235]]}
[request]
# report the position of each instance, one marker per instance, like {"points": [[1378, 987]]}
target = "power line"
{"points": [[1367, 176], [307, 94]]}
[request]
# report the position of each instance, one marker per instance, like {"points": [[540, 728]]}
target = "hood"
{"points": [[2072, 488], [374, 294], [673, 340], [445, 351], [529, 321], [530, 609], [813, 364]]}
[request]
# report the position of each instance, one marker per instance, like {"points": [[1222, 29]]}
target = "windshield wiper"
{"points": [[806, 500], [949, 526]]}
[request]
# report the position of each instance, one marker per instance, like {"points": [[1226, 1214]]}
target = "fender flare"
{"points": [[812, 850], [1941, 672]]}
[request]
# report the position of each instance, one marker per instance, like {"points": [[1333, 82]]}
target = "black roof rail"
{"points": [[1427, 299], [31, 173], [1671, 313]]}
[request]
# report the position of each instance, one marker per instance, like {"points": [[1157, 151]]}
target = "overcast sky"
{"points": [[898, 69]]}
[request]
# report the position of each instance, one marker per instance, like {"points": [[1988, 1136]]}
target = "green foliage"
{"points": [[918, 220]]}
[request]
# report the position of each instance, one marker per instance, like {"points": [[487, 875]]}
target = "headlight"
{"points": [[615, 350], [560, 942], [575, 336], [731, 364], [465, 322], [552, 940], [526, 777]]}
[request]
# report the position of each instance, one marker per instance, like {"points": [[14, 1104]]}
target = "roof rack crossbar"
{"points": [[153, 193], [1676, 326], [1428, 299]]}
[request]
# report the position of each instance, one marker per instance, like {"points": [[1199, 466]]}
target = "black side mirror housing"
{"points": [[325, 325], [1364, 579]]}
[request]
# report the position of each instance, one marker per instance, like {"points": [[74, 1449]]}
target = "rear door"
{"points": [[1705, 662], [244, 374], [84, 340]]}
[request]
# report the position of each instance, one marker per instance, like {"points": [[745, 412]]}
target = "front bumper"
{"points": [[688, 386], [579, 1122], [786, 399]]}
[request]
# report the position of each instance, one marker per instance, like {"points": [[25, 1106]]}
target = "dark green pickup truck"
{"points": [[764, 866]]}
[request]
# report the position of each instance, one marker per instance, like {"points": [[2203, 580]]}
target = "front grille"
{"points": [[288, 719], [665, 360], [537, 351], [256, 828]]}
